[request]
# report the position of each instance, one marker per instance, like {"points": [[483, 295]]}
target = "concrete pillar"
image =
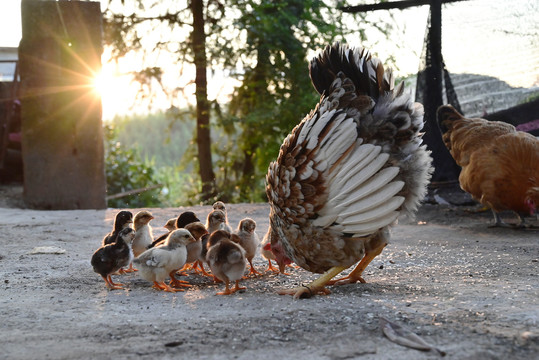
{"points": [[62, 136]]}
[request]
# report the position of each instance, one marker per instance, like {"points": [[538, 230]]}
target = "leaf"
{"points": [[405, 337]]}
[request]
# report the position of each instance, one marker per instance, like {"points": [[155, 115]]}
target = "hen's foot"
{"points": [[347, 280]]}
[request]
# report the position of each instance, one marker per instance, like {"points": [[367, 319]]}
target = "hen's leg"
{"points": [[318, 286], [355, 275]]}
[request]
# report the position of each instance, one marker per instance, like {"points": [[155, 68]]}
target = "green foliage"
{"points": [[160, 138], [126, 171]]}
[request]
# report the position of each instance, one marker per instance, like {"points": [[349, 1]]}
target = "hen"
{"points": [[345, 174], [500, 165]]}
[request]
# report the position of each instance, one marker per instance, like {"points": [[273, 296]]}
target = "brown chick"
{"points": [[112, 257], [143, 233], [219, 205], [227, 261], [216, 220], [194, 250], [157, 263], [348, 171], [500, 165], [248, 240], [170, 225]]}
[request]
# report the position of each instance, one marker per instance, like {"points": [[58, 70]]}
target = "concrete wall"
{"points": [[62, 139]]}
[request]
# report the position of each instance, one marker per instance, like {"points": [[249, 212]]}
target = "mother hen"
{"points": [[347, 172]]}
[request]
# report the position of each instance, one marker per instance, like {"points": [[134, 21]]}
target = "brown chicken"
{"points": [[352, 167], [500, 165]]}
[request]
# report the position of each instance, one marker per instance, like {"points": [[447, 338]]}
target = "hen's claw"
{"points": [[305, 292]]}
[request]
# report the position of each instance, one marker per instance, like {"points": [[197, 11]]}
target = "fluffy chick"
{"points": [[227, 261], [180, 222], [122, 220], [170, 225], [186, 217], [112, 257], [265, 251], [158, 262], [248, 240], [216, 220], [143, 232], [194, 250]]}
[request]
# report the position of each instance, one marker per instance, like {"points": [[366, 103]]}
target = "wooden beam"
{"points": [[402, 4]]}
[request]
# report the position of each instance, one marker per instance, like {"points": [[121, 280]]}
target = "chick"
{"points": [[265, 251], [122, 220], [248, 240], [202, 257], [216, 220], [158, 262], [227, 261], [219, 205], [170, 225], [143, 234], [112, 257], [194, 249], [185, 218]]}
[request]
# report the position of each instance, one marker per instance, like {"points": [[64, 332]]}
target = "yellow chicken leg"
{"points": [[355, 275], [318, 286]]}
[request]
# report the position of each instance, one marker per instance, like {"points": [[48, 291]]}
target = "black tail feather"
{"points": [[340, 58]]}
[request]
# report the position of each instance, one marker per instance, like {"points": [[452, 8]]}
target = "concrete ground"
{"points": [[470, 290]]}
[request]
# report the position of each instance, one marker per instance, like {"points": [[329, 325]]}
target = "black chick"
{"points": [[185, 218], [122, 220], [112, 257]]}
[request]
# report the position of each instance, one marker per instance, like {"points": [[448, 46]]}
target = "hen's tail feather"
{"points": [[367, 73], [446, 114]]}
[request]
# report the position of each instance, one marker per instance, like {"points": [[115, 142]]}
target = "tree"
{"points": [[121, 28], [262, 44]]}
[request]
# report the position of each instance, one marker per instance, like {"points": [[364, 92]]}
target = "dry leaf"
{"points": [[402, 336], [47, 250]]}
